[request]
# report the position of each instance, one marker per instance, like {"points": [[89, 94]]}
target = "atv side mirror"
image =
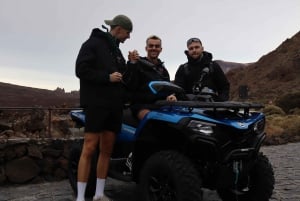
{"points": [[163, 88]]}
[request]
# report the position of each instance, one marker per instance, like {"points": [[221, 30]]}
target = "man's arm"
{"points": [[222, 83], [180, 77], [85, 64]]}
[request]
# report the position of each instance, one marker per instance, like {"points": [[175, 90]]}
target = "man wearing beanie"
{"points": [[99, 67]]}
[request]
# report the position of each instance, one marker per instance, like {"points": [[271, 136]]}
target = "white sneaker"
{"points": [[103, 198]]}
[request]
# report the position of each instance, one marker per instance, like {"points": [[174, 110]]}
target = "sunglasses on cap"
{"points": [[191, 40]]}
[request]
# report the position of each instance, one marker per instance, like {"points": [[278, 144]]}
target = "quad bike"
{"points": [[181, 147]]}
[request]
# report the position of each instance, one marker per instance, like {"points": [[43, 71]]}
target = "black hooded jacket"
{"points": [[142, 73], [189, 73], [98, 57]]}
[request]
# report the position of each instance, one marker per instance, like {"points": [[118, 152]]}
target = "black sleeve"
{"points": [[134, 81], [138, 84], [180, 77], [131, 77], [86, 63], [223, 85]]}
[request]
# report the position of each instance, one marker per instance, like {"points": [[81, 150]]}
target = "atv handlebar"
{"points": [[198, 104], [236, 106]]}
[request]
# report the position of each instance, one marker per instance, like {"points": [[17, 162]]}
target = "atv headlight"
{"points": [[259, 126], [201, 127]]}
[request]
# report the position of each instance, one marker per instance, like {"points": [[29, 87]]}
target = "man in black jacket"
{"points": [[201, 70], [99, 66], [144, 70]]}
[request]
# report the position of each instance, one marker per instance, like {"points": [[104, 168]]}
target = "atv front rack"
{"points": [[232, 105]]}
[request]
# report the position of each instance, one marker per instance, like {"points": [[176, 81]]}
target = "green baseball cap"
{"points": [[120, 20]]}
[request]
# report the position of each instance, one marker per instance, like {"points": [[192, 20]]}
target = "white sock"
{"points": [[100, 187], [81, 186]]}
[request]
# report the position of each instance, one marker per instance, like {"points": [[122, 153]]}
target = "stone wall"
{"points": [[25, 160]]}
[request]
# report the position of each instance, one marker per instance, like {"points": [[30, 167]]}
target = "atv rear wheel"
{"points": [[169, 176], [72, 171], [261, 183]]}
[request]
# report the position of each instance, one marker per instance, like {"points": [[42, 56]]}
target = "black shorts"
{"points": [[98, 119]]}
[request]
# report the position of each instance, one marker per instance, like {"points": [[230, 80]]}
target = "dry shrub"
{"points": [[273, 130], [283, 128], [273, 109], [295, 111], [289, 101], [273, 125], [292, 124]]}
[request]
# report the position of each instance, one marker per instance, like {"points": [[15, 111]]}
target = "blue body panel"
{"points": [[127, 134], [174, 115]]}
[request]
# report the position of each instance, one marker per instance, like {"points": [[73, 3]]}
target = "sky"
{"points": [[40, 39]]}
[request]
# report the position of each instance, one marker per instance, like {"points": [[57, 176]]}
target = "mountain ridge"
{"points": [[273, 75], [12, 95]]}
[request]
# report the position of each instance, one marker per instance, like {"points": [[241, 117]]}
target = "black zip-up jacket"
{"points": [[142, 73], [98, 57], [188, 74]]}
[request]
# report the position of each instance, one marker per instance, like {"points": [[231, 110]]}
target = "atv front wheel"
{"points": [[261, 184], [169, 176]]}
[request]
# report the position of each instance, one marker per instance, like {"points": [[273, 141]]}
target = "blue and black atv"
{"points": [[181, 147]]}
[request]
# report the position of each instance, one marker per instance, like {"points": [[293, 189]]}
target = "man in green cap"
{"points": [[120, 20], [99, 67]]}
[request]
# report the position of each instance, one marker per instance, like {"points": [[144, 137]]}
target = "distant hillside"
{"points": [[19, 96], [227, 66], [273, 75]]}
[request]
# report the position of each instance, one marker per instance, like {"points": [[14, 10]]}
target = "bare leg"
{"points": [[106, 145], [142, 113], [107, 141], [89, 147]]}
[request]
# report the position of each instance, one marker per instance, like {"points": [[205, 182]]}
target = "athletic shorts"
{"points": [[98, 119]]}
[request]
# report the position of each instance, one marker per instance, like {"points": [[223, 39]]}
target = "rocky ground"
{"points": [[284, 158]]}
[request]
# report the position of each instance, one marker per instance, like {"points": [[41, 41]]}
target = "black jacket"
{"points": [[142, 73], [98, 57], [188, 74]]}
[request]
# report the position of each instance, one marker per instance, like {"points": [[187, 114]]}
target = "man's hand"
{"points": [[133, 56], [171, 98], [115, 77]]}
